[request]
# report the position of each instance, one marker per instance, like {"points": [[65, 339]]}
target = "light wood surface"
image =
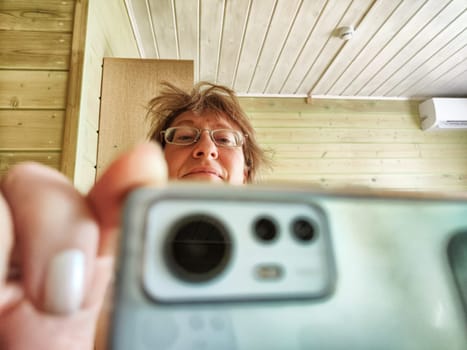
{"points": [[35, 44], [108, 34], [41, 16], [374, 144], [127, 87], [73, 102]]}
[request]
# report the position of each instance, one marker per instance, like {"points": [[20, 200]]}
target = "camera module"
{"points": [[198, 248]]}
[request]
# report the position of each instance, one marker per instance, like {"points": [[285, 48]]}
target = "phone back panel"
{"points": [[390, 273]]}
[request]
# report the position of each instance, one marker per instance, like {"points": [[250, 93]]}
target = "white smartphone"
{"points": [[254, 267]]}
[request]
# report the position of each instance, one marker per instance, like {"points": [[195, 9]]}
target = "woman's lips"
{"points": [[202, 172]]}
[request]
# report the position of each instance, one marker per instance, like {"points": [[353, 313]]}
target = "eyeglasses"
{"points": [[186, 135]]}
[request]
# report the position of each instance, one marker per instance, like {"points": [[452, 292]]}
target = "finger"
{"points": [[143, 166], [6, 239], [10, 293], [50, 217]]}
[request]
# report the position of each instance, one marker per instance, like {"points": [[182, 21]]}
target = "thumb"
{"points": [[143, 166]]}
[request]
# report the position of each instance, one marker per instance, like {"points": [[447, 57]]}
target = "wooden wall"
{"points": [[359, 143], [108, 34], [35, 46]]}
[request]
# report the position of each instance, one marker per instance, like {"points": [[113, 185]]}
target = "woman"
{"points": [[56, 248]]}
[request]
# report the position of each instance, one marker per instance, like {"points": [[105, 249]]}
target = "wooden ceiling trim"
{"points": [[448, 81]]}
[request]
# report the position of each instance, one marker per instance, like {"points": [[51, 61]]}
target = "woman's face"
{"points": [[204, 160]]}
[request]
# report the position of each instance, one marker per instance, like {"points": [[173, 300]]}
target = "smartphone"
{"points": [[267, 267]]}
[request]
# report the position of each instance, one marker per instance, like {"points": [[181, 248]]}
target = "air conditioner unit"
{"points": [[443, 113]]}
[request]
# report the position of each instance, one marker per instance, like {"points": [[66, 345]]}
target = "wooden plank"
{"points": [[375, 166], [417, 43], [281, 25], [370, 24], [368, 136], [34, 50], [322, 120], [127, 87], [31, 130], [438, 47], [44, 15], [425, 182], [235, 19], [301, 29], [360, 150], [33, 89], [437, 68], [353, 15], [142, 27], [261, 14], [8, 159], [210, 32], [164, 28], [332, 106], [319, 37], [73, 99], [186, 29], [400, 40]]}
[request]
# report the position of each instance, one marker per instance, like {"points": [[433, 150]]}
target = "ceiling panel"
{"points": [[401, 48]]}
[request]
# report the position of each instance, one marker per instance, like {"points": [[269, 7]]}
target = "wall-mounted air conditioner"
{"points": [[443, 113]]}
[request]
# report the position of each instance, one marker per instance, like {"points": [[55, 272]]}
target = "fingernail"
{"points": [[64, 285]]}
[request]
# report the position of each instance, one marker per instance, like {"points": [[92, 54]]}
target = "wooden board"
{"points": [[31, 130], [43, 15], [369, 143], [34, 50], [8, 159], [127, 87], [33, 89]]}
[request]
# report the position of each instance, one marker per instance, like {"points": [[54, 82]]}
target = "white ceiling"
{"points": [[401, 48]]}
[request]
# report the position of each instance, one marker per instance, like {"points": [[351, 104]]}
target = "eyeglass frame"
{"points": [[198, 137]]}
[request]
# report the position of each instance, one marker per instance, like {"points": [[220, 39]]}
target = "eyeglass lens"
{"points": [[188, 136]]}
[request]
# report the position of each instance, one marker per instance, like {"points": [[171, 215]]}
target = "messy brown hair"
{"points": [[205, 96]]}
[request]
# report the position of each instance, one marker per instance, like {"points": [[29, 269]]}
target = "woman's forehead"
{"points": [[212, 118]]}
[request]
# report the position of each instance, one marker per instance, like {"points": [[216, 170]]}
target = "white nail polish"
{"points": [[64, 285]]}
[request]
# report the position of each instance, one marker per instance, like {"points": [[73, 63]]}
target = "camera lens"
{"points": [[303, 229], [198, 248], [265, 229]]}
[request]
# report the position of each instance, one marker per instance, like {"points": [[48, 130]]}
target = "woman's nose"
{"points": [[205, 147]]}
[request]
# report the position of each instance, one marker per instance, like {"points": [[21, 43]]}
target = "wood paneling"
{"points": [[22, 130], [35, 44], [127, 87], [21, 89], [41, 16], [34, 50], [8, 159], [292, 47], [108, 34], [370, 143]]}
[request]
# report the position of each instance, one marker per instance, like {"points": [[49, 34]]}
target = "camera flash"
{"points": [[268, 272]]}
